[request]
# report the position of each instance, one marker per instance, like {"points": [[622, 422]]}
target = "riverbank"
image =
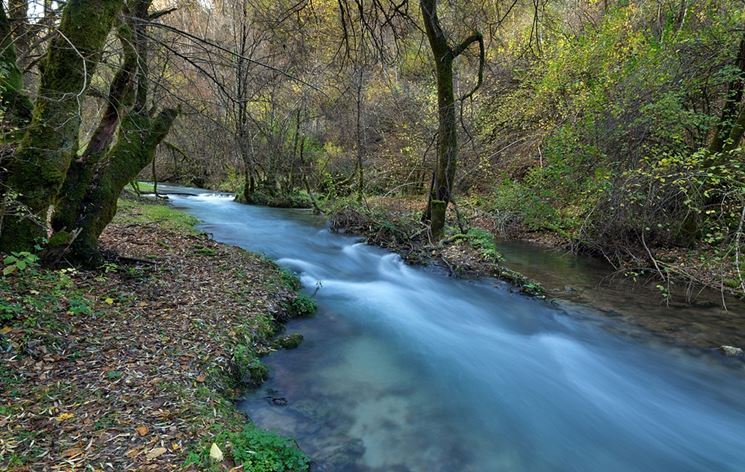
{"points": [[137, 365], [394, 223]]}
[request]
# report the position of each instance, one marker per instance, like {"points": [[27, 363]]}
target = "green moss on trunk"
{"points": [[81, 173], [38, 169], [14, 103], [138, 138]]}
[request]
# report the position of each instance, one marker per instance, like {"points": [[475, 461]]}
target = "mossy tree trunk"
{"points": [[81, 172], [447, 133], [137, 140], [14, 102], [729, 130], [39, 166], [111, 167]]}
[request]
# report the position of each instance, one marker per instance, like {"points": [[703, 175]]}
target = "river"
{"points": [[405, 369]]}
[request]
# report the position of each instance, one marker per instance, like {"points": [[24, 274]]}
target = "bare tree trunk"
{"points": [[360, 143], [38, 168], [18, 13]]}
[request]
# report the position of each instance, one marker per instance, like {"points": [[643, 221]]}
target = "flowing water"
{"points": [[405, 369]]}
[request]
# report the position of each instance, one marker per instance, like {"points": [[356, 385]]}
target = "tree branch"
{"points": [[475, 37]]}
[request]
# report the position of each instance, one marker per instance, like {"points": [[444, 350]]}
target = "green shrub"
{"points": [[249, 368], [255, 450], [483, 240], [302, 305]]}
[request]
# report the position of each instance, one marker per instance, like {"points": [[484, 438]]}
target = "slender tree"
{"points": [[444, 55]]}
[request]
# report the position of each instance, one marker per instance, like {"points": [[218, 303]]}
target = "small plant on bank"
{"points": [[301, 306], [483, 240], [255, 450], [19, 261], [248, 367], [290, 279]]}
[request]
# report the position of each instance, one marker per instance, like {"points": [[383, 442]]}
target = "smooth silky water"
{"points": [[405, 369]]}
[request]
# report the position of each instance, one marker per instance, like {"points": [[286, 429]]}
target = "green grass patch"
{"points": [[142, 187], [139, 212]]}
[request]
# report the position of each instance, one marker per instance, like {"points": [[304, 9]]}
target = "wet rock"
{"points": [[291, 341], [731, 351], [342, 456]]}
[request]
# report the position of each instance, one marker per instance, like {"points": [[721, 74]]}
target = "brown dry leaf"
{"points": [[125, 343], [155, 453], [72, 452], [132, 453], [142, 430]]}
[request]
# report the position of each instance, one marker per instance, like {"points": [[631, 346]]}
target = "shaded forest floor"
{"points": [[135, 366]]}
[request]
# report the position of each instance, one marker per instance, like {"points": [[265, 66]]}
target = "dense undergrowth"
{"points": [[627, 164]]}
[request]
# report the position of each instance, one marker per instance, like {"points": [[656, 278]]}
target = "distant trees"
{"points": [[585, 110]]}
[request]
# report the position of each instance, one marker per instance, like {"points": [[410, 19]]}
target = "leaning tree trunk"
{"points": [[39, 166], [137, 140], [447, 137]]}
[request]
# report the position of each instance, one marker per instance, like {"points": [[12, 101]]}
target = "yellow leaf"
{"points": [[72, 452], [215, 453], [64, 417], [109, 301], [6, 330]]}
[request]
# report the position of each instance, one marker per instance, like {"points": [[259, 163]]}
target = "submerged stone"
{"points": [[291, 341]]}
